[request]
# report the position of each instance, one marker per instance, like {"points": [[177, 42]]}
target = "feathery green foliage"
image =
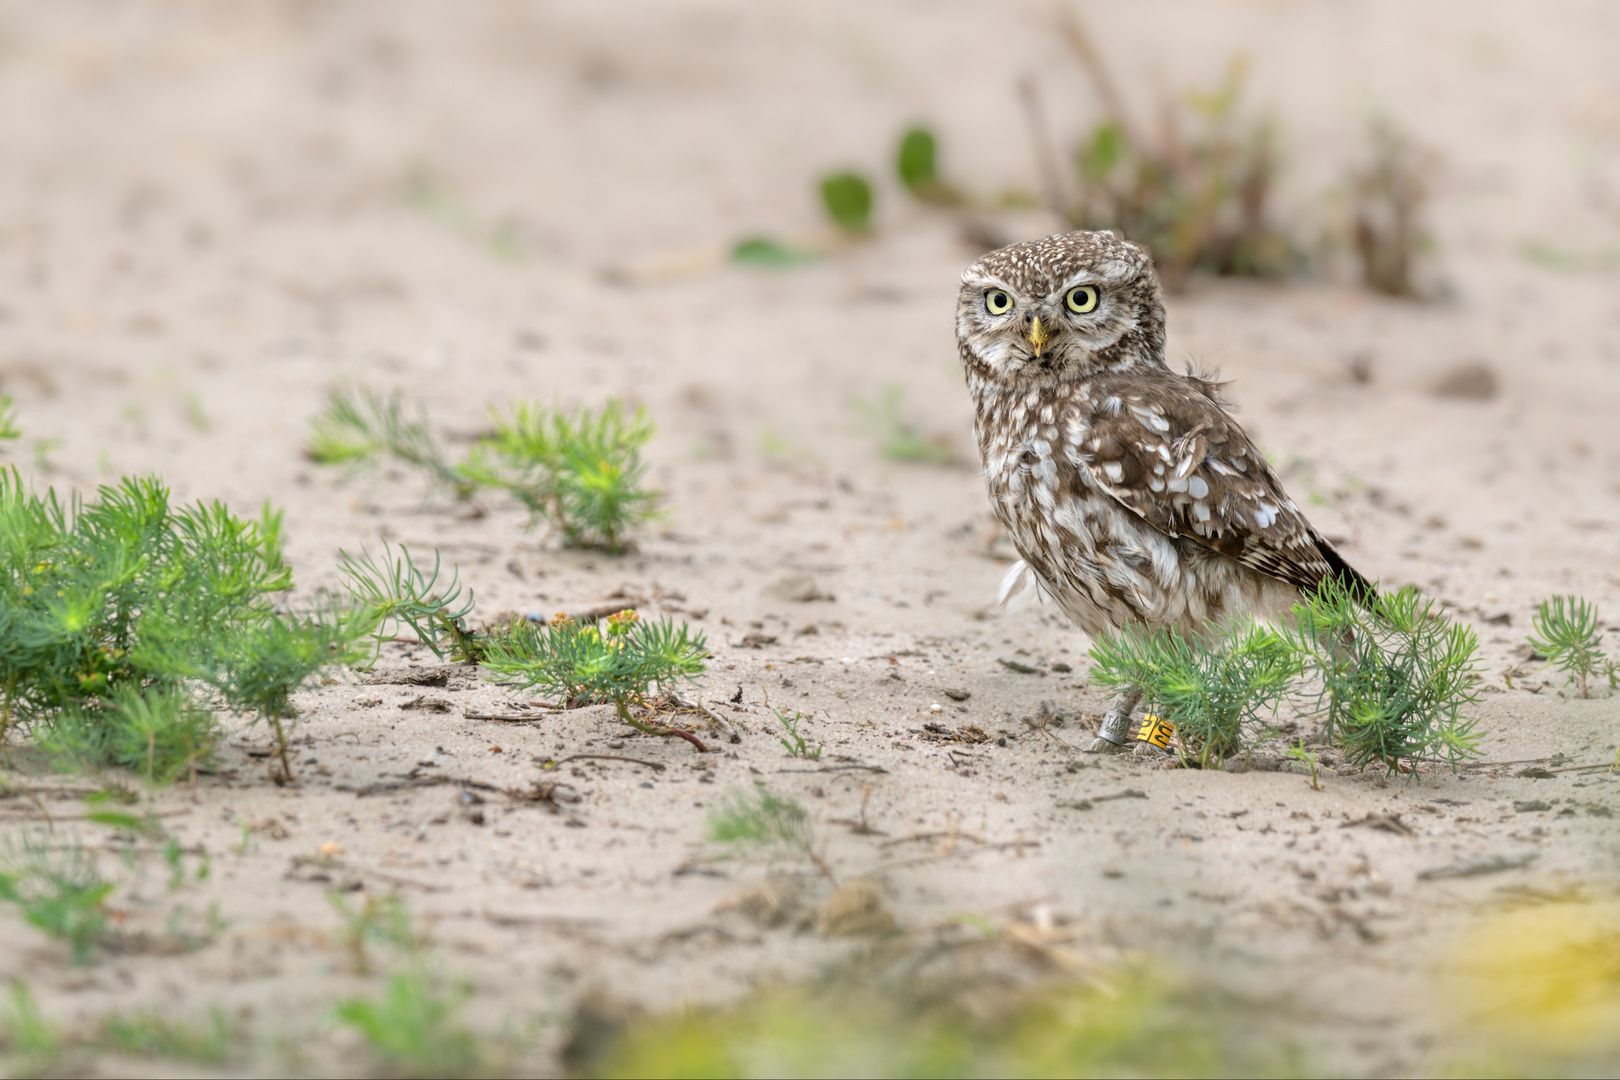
{"points": [[1567, 633], [1396, 674], [847, 198], [1214, 695], [898, 440], [414, 1026], [619, 662], [579, 471], [763, 821], [153, 1035], [116, 615], [389, 592], [58, 890], [360, 427]]}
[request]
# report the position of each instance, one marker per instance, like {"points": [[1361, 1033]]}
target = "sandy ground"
{"points": [[212, 214]]}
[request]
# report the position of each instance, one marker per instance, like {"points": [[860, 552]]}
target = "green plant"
{"points": [[763, 251], [897, 439], [378, 919], [1309, 760], [360, 427], [27, 1034], [847, 198], [389, 593], [414, 1027], [1567, 633], [794, 743], [764, 821], [147, 1034], [917, 165], [581, 472], [1213, 695], [58, 890], [116, 615], [1195, 191], [9, 431], [1396, 674], [619, 662], [1387, 194]]}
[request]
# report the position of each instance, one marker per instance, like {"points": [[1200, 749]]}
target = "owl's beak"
{"points": [[1037, 335]]}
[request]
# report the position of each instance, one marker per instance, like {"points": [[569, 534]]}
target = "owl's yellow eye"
{"points": [[1082, 299], [997, 302]]}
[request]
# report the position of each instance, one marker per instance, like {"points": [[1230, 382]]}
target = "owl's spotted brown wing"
{"points": [[1164, 448]]}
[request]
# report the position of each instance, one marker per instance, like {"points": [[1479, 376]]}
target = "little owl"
{"points": [[1132, 496]]}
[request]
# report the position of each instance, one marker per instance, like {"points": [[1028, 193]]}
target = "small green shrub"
{"points": [[917, 165], [58, 890], [1395, 673], [1216, 696], [381, 919], [620, 662], [28, 1036], [765, 822], [389, 593], [116, 615], [150, 1035], [414, 1026], [1567, 633], [847, 198], [898, 440], [579, 471], [1387, 193]]}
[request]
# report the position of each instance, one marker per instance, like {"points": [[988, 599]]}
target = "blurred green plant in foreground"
{"points": [[1534, 990], [579, 471], [1134, 1023], [898, 440]]}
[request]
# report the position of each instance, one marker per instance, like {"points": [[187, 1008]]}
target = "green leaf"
{"points": [[763, 251], [847, 198], [917, 161], [1099, 156]]}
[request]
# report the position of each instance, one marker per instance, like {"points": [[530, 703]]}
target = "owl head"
{"points": [[1068, 306]]}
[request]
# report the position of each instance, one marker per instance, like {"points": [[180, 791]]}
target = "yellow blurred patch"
{"points": [[1544, 979]]}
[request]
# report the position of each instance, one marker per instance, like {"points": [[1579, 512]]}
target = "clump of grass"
{"points": [[151, 1035], [619, 661], [1395, 673], [579, 471], [763, 821], [795, 743], [58, 890], [847, 199], [415, 1027], [1195, 192], [898, 440], [1216, 695], [9, 431], [381, 919], [360, 427], [116, 615], [36, 1045], [389, 592], [1567, 633], [1387, 195]]}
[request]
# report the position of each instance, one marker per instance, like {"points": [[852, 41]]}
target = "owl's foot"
{"points": [[1148, 750], [1100, 745]]}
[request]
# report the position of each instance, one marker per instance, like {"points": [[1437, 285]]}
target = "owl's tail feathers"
{"points": [[1346, 576], [1022, 587]]}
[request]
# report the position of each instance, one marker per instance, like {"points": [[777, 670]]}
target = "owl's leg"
{"points": [[1116, 724]]}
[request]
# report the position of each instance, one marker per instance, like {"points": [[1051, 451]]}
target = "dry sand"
{"points": [[212, 214]]}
